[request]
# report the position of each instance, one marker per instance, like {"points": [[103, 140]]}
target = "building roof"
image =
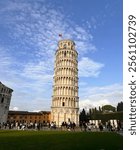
{"points": [[27, 112], [1, 84]]}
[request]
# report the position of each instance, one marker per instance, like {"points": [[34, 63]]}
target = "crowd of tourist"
{"points": [[21, 126], [65, 126], [108, 126]]}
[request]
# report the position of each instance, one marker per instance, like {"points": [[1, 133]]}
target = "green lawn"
{"points": [[59, 140]]}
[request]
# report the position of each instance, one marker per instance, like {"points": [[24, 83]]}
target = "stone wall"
{"points": [[5, 98]]}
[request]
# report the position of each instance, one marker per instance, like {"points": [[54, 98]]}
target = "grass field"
{"points": [[59, 140]]}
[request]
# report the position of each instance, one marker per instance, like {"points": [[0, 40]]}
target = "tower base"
{"points": [[60, 115]]}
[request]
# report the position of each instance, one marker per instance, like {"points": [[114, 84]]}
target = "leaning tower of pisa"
{"points": [[65, 100]]}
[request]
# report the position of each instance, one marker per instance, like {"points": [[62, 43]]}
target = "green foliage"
{"points": [[120, 106], [109, 116], [83, 116], [108, 108], [59, 140], [100, 110], [107, 112]]}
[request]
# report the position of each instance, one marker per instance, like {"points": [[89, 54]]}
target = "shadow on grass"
{"points": [[56, 140]]}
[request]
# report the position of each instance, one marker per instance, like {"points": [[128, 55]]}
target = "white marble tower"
{"points": [[65, 100]]}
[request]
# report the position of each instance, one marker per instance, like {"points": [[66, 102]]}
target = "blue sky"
{"points": [[29, 32]]}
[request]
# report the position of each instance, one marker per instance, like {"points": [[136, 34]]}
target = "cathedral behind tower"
{"points": [[65, 100]]}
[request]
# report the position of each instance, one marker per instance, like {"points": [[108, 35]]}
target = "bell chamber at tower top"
{"points": [[66, 44]]}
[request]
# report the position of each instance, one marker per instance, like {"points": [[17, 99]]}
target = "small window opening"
{"points": [[64, 54], [63, 104], [2, 100]]}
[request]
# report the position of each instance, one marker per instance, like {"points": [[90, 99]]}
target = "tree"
{"points": [[100, 110], [83, 115], [95, 110], [108, 108], [90, 111], [120, 106]]}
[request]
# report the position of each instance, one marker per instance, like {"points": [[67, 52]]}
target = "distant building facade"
{"points": [[5, 98], [28, 117], [65, 100]]}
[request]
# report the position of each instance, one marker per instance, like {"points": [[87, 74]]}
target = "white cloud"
{"points": [[14, 108], [5, 59], [98, 96], [38, 71], [30, 68], [99, 90], [89, 68], [42, 26], [87, 103]]}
